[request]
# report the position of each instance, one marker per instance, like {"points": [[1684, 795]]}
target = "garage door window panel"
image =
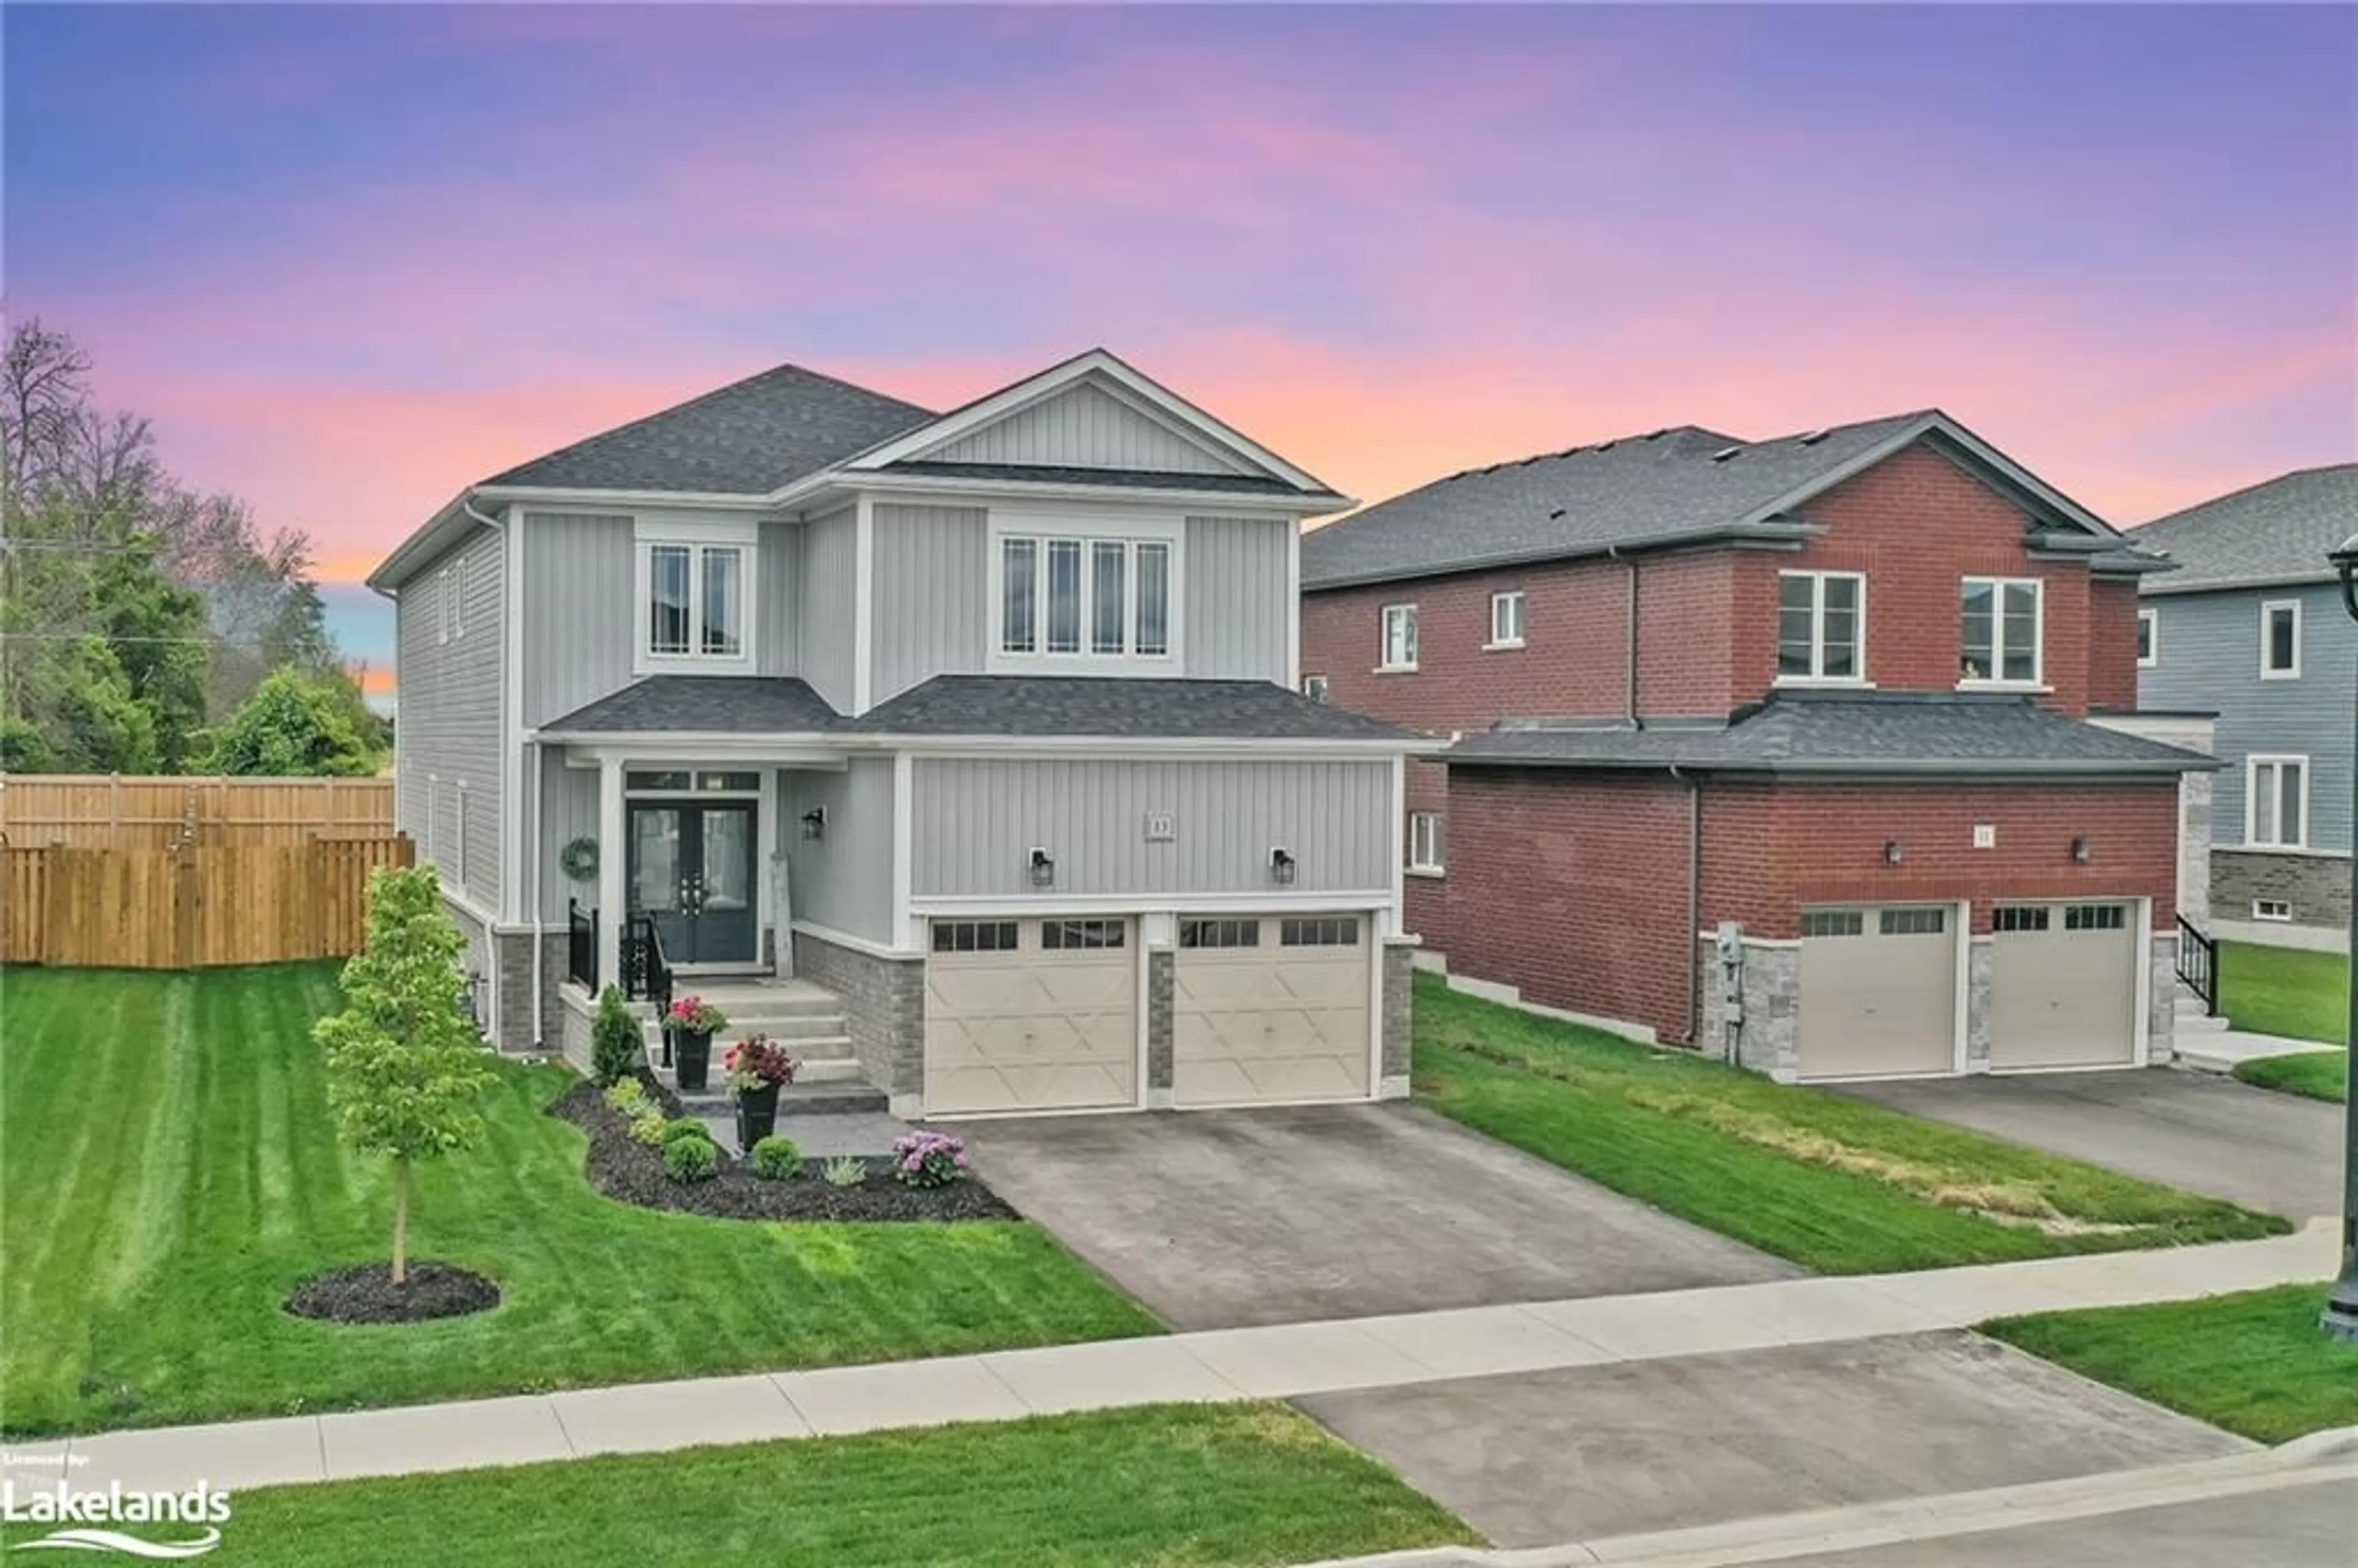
{"points": [[1063, 936], [1220, 933], [975, 935]]}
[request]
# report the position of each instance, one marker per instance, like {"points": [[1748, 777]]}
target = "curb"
{"points": [[2319, 1456]]}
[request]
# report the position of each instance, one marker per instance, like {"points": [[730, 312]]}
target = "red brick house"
{"points": [[1779, 748]]}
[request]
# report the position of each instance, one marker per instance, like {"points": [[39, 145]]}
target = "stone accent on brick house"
{"points": [[2317, 886], [1981, 975], [1398, 1022], [1767, 1038], [2161, 999], [884, 1013]]}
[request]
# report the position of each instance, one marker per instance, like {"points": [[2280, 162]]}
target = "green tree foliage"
{"points": [[405, 1071], [293, 724], [617, 1046]]}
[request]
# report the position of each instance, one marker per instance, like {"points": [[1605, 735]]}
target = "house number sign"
{"points": [[1161, 826]]}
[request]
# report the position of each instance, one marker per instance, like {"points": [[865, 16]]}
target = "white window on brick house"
{"points": [[2001, 631], [2275, 803], [2280, 640], [1821, 626], [2149, 639], [1424, 841], [1398, 651], [1506, 620], [1315, 687]]}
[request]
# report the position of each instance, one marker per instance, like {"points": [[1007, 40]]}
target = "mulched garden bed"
{"points": [[365, 1293], [632, 1172]]}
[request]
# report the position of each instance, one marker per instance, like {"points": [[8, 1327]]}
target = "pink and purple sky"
{"points": [[351, 258]]}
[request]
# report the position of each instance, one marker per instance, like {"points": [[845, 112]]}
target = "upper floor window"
{"points": [[1506, 620], [1398, 651], [1077, 595], [1819, 625], [696, 594], [1424, 841], [2280, 640], [2275, 802], [1315, 687], [2149, 639], [2000, 633], [450, 590]]}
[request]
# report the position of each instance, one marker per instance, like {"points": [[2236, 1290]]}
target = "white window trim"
{"points": [[745, 537], [2252, 766], [1426, 859], [2149, 619], [1998, 585], [1522, 616], [1384, 664], [2268, 606], [1818, 631], [446, 605], [1111, 525], [1320, 682], [2281, 914]]}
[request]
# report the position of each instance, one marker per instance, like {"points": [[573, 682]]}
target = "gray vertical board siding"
{"points": [[842, 880], [450, 723], [827, 598], [977, 821], [2210, 651], [1085, 426], [1237, 607], [568, 810], [580, 612], [776, 582], [932, 614]]}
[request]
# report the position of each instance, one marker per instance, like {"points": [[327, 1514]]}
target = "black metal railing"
{"points": [[2198, 964], [646, 974], [581, 946]]}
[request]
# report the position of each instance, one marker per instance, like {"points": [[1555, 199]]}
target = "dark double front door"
{"points": [[692, 868]]}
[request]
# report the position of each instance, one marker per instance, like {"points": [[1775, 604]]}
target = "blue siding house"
{"points": [[2252, 627]]}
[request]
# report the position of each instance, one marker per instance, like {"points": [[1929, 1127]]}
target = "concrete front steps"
{"points": [[2193, 1029], [807, 1019]]}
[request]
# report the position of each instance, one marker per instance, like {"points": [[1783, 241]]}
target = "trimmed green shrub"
{"points": [[691, 1160], [650, 1129], [627, 1096], [617, 1043], [776, 1159], [684, 1129]]}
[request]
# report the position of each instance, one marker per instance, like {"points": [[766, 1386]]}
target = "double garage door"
{"points": [[1025, 1015], [1879, 989]]}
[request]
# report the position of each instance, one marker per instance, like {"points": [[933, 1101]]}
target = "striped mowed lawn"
{"points": [[169, 1171]]}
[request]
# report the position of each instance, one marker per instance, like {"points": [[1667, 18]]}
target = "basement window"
{"points": [[2271, 909]]}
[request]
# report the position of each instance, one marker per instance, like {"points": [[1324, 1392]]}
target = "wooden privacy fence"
{"points": [[110, 811], [189, 908]]}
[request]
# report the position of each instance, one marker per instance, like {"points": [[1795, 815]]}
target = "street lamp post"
{"points": [[2341, 1318]]}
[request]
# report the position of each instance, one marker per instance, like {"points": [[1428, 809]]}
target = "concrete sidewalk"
{"points": [[1275, 1362]]}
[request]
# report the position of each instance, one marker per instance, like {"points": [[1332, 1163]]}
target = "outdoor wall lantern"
{"points": [[1894, 851], [814, 822], [2083, 851], [1043, 869], [1281, 868]]}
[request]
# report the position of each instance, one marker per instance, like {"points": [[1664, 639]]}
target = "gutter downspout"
{"points": [[1694, 903], [530, 873]]}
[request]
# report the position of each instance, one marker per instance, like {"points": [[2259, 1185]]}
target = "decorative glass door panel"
{"points": [[691, 867], [725, 913]]}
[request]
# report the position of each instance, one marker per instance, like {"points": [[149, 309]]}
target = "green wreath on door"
{"points": [[579, 859]]}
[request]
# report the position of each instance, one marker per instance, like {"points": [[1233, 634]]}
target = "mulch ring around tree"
{"points": [[364, 1292], [630, 1172]]}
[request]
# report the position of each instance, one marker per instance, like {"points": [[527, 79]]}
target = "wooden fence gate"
{"points": [[192, 908]]}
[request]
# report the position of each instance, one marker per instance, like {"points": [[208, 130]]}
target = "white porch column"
{"points": [[613, 859]]}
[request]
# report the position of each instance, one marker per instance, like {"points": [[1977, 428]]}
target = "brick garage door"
{"points": [[1030, 1015], [2063, 985], [1271, 1009], [1878, 991]]}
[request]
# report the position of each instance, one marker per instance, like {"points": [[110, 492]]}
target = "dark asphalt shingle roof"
{"points": [[2275, 531], [1117, 708], [1061, 705], [1236, 483], [1935, 734], [746, 438], [1682, 483], [716, 703]]}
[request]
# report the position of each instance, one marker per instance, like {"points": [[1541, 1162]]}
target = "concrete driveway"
{"points": [[2274, 1153], [1590, 1451], [1232, 1220]]}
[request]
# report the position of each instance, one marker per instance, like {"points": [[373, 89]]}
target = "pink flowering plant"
{"points": [[694, 1015], [758, 1061], [929, 1159]]}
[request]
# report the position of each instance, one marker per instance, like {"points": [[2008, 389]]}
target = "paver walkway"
{"points": [[1275, 1362]]}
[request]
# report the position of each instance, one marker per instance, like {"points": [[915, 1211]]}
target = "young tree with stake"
{"points": [[405, 1069]]}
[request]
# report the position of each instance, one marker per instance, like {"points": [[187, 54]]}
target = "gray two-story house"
{"points": [[982, 725], [2251, 627]]}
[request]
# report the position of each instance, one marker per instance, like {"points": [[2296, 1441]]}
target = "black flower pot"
{"points": [[692, 1057], [757, 1115]]}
